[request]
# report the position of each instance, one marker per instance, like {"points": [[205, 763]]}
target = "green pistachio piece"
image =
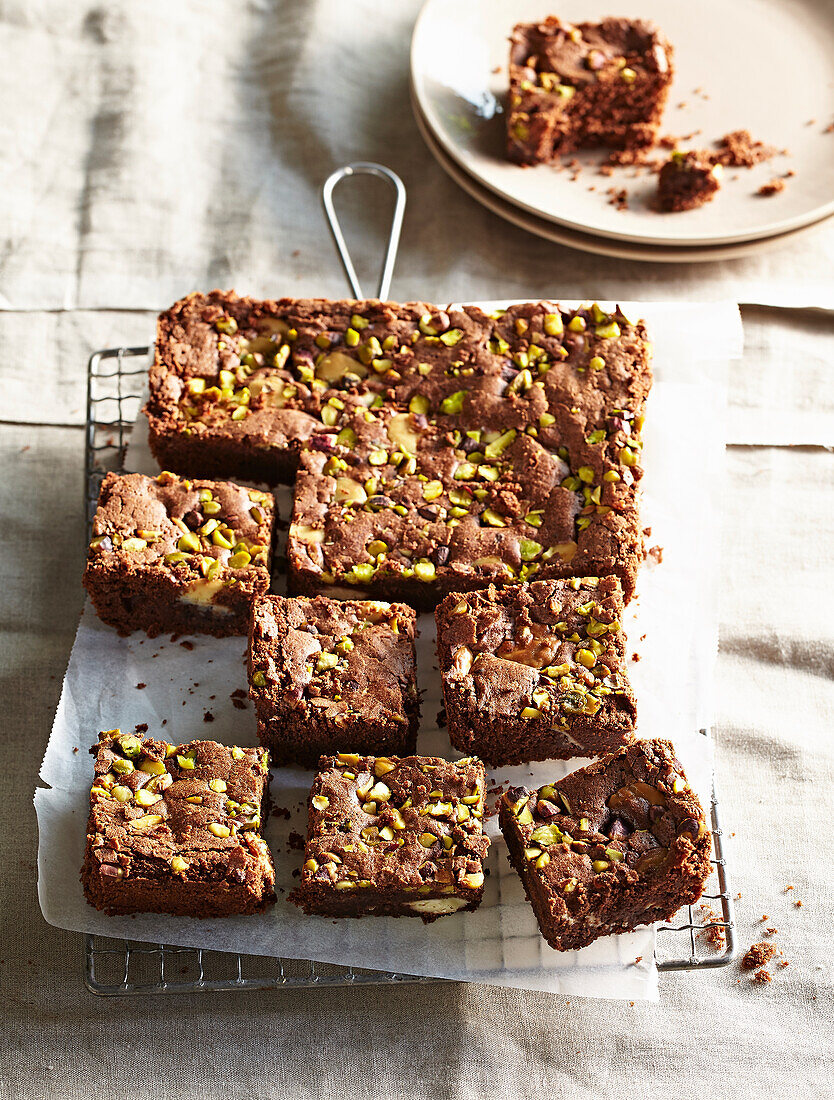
{"points": [[453, 404], [529, 549]]}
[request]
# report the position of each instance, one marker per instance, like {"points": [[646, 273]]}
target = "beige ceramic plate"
{"points": [[601, 246], [766, 65]]}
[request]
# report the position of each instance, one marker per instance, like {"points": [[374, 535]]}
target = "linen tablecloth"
{"points": [[152, 148]]}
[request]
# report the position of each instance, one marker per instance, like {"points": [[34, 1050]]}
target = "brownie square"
{"points": [[328, 676], [620, 843], [394, 836], [536, 671], [585, 84], [176, 828], [224, 400], [178, 555]]}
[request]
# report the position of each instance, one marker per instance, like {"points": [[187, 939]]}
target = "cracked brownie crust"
{"points": [[175, 829], [393, 836], [619, 843], [585, 85], [178, 555], [327, 675], [536, 672]]}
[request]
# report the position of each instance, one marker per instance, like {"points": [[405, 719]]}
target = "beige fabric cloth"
{"points": [[158, 147]]}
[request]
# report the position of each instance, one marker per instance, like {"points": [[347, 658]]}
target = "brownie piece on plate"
{"points": [[176, 828], [328, 676], [178, 555], [687, 180], [619, 843], [536, 671], [585, 84], [394, 836]]}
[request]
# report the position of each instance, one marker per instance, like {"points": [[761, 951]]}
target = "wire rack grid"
{"points": [[115, 388]]}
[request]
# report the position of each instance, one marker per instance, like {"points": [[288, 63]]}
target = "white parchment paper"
{"points": [[183, 690]]}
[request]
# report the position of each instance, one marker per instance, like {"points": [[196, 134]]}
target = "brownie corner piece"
{"points": [[585, 85], [223, 399], [179, 555], [617, 844], [394, 836], [176, 829], [536, 671], [331, 675]]}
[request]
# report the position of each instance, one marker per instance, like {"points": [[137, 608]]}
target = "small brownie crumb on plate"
{"points": [[175, 828], [171, 555], [619, 843], [391, 836], [686, 181], [537, 671], [585, 85], [328, 676]]}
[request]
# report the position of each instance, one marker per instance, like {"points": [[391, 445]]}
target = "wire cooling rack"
{"points": [[704, 938]]}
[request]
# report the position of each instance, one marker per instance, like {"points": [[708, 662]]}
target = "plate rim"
{"points": [[798, 222], [588, 242]]}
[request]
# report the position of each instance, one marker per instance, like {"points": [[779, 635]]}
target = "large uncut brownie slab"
{"points": [[178, 555], [394, 836], [328, 676], [536, 671], [620, 843], [176, 829], [411, 509], [529, 420], [585, 84]]}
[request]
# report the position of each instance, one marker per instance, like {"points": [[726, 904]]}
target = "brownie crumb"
{"points": [[762, 976], [208, 716], [281, 811], [140, 686], [618, 198], [759, 954], [739, 150], [771, 188], [141, 727], [296, 841], [656, 553], [187, 645], [713, 933], [239, 704], [687, 181]]}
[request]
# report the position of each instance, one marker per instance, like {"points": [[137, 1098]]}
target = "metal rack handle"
{"points": [[366, 168]]}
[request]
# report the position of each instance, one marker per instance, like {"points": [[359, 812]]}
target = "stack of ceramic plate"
{"points": [[759, 65]]}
